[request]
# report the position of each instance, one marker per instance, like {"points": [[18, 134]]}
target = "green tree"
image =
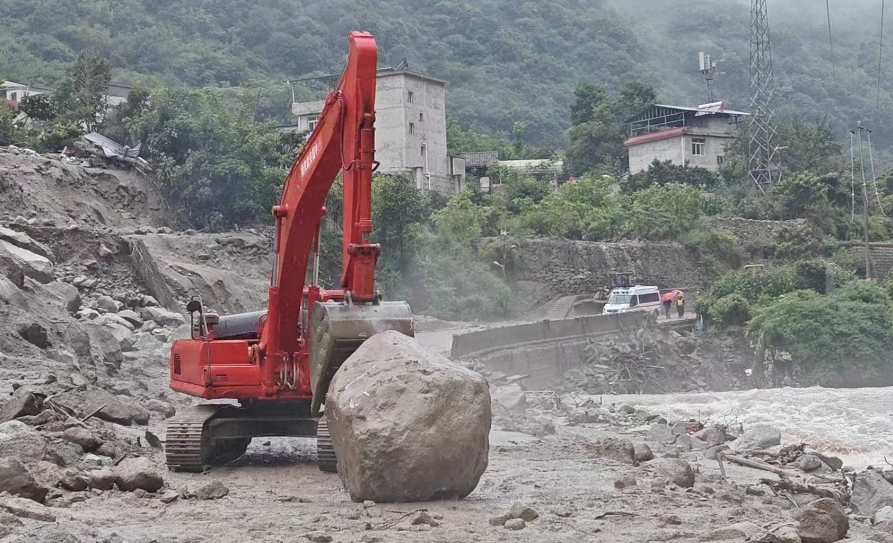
{"points": [[397, 205], [82, 96], [39, 107]]}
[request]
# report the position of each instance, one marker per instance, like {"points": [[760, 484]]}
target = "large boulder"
{"points": [[35, 266], [114, 409], [871, 492], [27, 444], [11, 268], [743, 531], [22, 403], [138, 474], [616, 449], [15, 479], [407, 424], [676, 471], [823, 521], [24, 241], [758, 436], [67, 294]]}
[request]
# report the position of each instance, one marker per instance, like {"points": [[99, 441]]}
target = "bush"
{"points": [[755, 286], [731, 310], [832, 340]]}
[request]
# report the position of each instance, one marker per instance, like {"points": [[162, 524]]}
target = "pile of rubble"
{"points": [[652, 360]]}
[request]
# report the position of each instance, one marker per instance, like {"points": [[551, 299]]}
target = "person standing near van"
{"points": [[680, 305]]}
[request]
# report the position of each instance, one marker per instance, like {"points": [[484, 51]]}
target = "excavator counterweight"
{"points": [[277, 364]]}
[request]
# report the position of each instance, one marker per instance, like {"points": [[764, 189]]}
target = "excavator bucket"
{"points": [[337, 330]]}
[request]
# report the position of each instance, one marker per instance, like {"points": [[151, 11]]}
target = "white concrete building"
{"points": [[410, 129], [14, 92], [686, 136]]}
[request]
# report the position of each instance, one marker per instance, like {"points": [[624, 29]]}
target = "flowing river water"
{"points": [[855, 424]]}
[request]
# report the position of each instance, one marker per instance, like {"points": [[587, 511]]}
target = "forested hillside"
{"points": [[507, 61]]}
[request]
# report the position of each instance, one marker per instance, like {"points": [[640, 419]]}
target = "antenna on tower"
{"points": [[707, 67], [764, 170]]}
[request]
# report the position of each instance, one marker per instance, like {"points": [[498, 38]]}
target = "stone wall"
{"points": [[575, 267], [753, 233]]}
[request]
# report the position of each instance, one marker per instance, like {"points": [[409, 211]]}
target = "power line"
{"points": [[853, 176], [830, 40], [880, 59], [877, 193]]}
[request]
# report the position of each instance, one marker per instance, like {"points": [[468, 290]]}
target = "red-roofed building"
{"points": [[686, 136]]}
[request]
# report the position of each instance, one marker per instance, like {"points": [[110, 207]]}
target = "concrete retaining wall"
{"points": [[544, 350]]}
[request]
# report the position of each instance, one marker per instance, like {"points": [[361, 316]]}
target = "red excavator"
{"points": [[277, 364]]}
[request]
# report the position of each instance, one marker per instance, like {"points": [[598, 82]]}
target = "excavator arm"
{"points": [[344, 140]]}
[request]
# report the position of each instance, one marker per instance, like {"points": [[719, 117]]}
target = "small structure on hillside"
{"points": [[686, 136]]}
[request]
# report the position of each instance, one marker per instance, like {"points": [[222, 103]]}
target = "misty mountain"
{"points": [[507, 61]]}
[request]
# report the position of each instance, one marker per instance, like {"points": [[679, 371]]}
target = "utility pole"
{"points": [[868, 270], [761, 147]]}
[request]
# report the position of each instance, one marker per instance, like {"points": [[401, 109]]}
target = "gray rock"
{"points": [[414, 429], [661, 434], [871, 492], [676, 471], [107, 304], [884, 514], [20, 440], [132, 317], [810, 462], [643, 452], [12, 269], [102, 479], [73, 480], [522, 511], [24, 241], [508, 399], [22, 403], [616, 449], [83, 437], [17, 480], [163, 317], [787, 534], [823, 521], [33, 265], [515, 524], [208, 491], [33, 333], [758, 436], [68, 294], [158, 406], [138, 473], [743, 531], [117, 410], [319, 537], [500, 520], [425, 518], [25, 508], [712, 436], [148, 301]]}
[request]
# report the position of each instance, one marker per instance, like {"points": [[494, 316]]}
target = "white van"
{"points": [[637, 298]]}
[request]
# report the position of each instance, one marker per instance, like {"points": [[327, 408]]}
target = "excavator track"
{"points": [[325, 452], [183, 445]]}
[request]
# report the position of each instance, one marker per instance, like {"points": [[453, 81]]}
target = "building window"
{"points": [[410, 97], [698, 146], [719, 161], [421, 117], [423, 150], [412, 129], [12, 96], [311, 122]]}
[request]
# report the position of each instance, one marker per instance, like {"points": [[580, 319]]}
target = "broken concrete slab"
{"points": [[407, 424]]}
